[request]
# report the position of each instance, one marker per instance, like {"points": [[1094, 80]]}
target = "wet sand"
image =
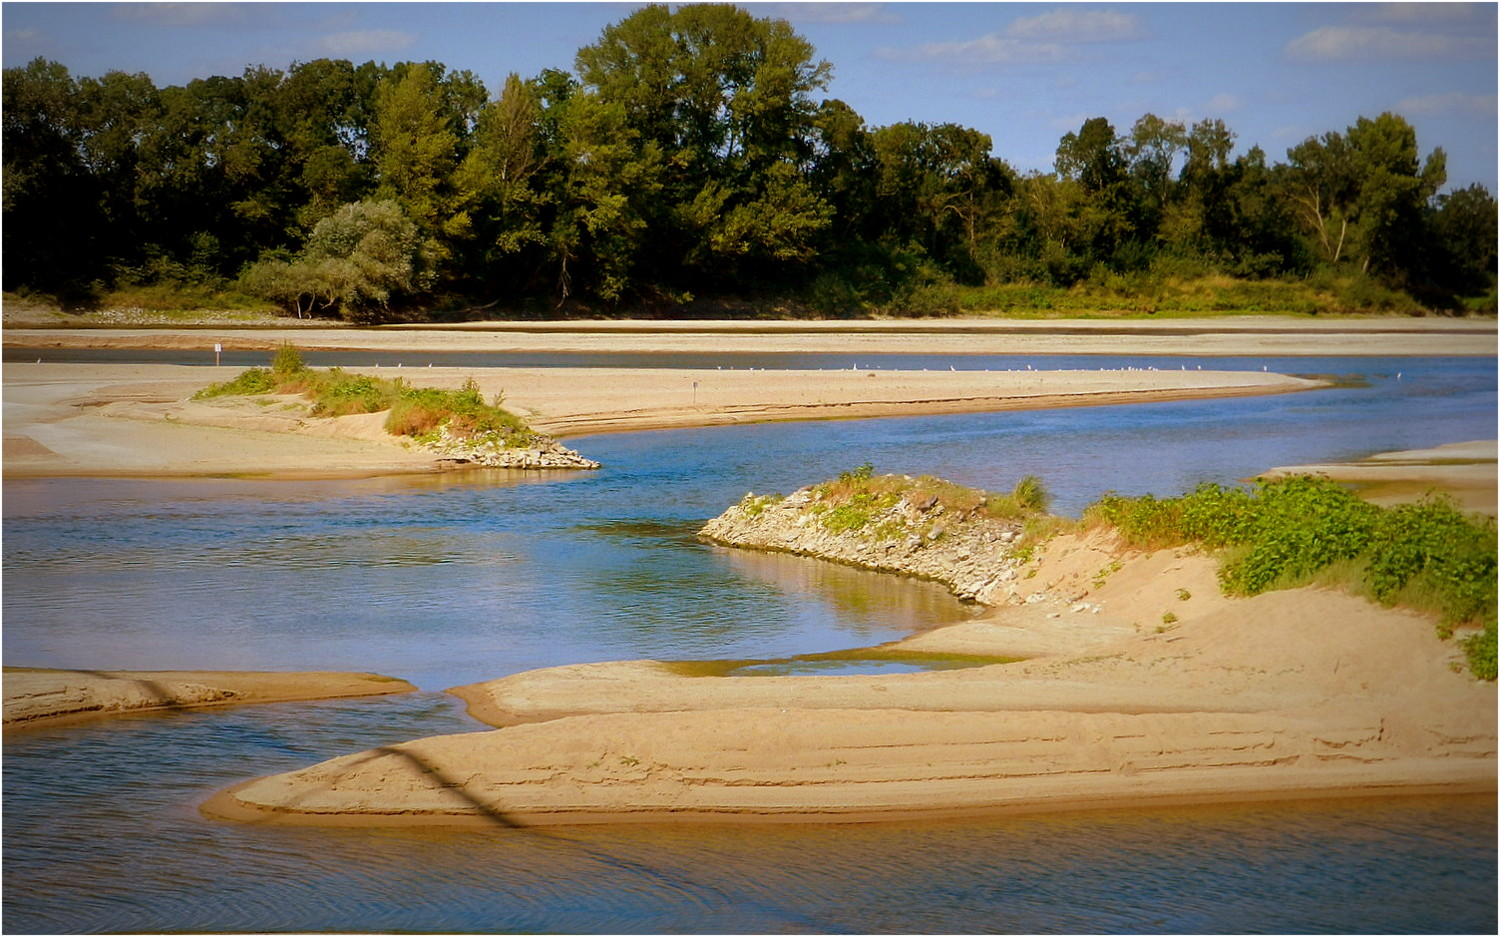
{"points": [[47, 697]]}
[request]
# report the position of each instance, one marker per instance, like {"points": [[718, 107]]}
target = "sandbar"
{"points": [[128, 419], [46, 697], [1286, 695], [1463, 471]]}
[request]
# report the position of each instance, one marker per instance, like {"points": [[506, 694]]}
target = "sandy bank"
{"points": [[1288, 694], [1466, 471], [37, 697], [1226, 335], [63, 419]]}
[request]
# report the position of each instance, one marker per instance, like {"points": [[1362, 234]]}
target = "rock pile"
{"points": [[541, 452], [975, 556]]}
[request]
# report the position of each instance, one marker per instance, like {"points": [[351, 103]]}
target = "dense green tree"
{"points": [[607, 192], [688, 153], [356, 261], [935, 186], [1461, 254], [725, 98], [51, 199]]}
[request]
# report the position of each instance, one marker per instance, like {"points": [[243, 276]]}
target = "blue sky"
{"points": [[1024, 73]]}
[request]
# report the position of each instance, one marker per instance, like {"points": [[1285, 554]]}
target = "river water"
{"points": [[454, 579]]}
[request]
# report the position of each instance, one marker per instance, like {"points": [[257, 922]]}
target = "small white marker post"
{"points": [[695, 393], [218, 349]]}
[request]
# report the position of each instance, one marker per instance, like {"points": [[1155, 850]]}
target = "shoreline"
{"points": [[138, 420], [44, 697], [225, 806]]}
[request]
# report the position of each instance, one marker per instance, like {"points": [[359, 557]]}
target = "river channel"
{"points": [[444, 580]]}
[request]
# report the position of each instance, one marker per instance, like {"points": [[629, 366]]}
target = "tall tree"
{"points": [[725, 97], [1094, 158], [50, 200], [501, 183]]}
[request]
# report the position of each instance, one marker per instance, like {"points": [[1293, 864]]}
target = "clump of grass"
{"points": [[414, 411], [1295, 530], [755, 505], [854, 500]]}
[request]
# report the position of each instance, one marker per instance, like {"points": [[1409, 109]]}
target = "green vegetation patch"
{"points": [[857, 499], [418, 412], [1300, 530]]}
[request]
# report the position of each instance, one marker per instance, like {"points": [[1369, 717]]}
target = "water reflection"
{"points": [[859, 593], [455, 578]]}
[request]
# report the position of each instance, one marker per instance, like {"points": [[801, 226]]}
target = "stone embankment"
{"points": [[914, 532], [542, 452]]}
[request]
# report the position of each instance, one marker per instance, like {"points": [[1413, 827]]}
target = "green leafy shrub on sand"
{"points": [[1298, 530], [414, 411]]}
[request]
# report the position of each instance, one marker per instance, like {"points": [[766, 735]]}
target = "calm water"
{"points": [[463, 578]]}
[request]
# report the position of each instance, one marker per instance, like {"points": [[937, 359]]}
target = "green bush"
{"points": [[247, 383], [1297, 529], [414, 411]]}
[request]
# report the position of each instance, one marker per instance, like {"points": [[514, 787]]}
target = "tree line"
{"points": [[686, 154]]}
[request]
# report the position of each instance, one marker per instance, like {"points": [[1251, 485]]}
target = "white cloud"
{"points": [[182, 14], [1453, 103], [834, 12], [992, 49], [1072, 25], [1224, 103], [1333, 43], [365, 42]]}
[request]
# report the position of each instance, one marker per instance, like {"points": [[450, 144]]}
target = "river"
{"points": [[453, 579]]}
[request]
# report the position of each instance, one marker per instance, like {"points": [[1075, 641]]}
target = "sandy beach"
{"points": [[1325, 695], [126, 419], [37, 697]]}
